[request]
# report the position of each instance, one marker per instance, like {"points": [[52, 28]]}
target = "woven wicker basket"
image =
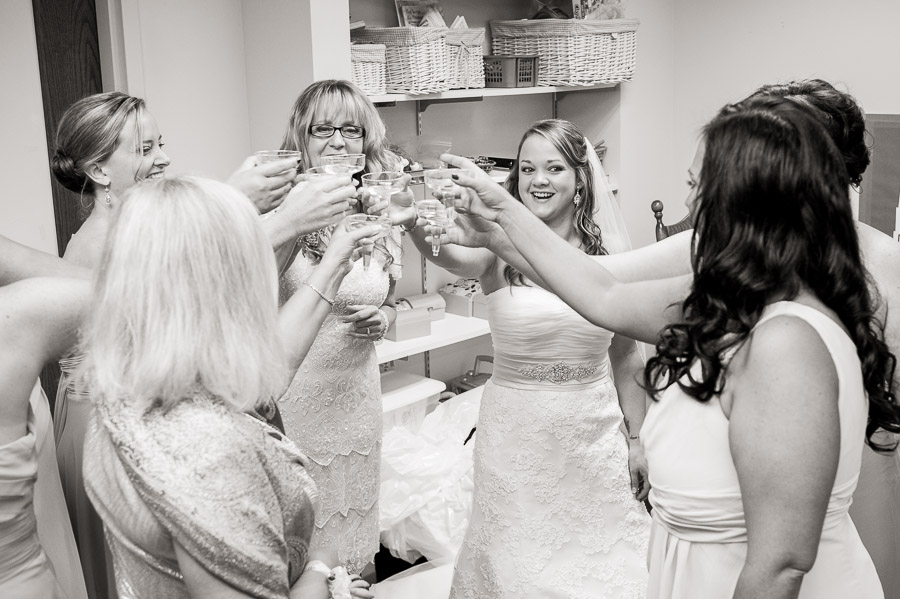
{"points": [[415, 57], [464, 58], [367, 64], [572, 52]]}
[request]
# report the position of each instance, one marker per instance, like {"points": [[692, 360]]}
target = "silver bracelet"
{"points": [[387, 324], [407, 229], [320, 294]]}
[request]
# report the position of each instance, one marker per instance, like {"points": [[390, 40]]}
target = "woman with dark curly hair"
{"points": [[770, 376]]}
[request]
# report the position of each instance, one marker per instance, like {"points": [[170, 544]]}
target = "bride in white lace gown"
{"points": [[556, 510]]}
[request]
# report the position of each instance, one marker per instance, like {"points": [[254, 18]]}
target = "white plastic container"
{"points": [[406, 398]]}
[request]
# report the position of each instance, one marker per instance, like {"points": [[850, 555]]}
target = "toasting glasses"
{"points": [[356, 162], [381, 186], [334, 170], [356, 221]]}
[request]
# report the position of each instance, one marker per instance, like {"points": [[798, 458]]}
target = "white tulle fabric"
{"points": [[553, 516], [607, 215]]}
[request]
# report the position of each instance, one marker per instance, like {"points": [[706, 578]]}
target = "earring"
{"points": [[108, 199], [577, 198]]}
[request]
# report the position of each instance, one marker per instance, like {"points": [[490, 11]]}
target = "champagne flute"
{"points": [[266, 156], [333, 170], [381, 186], [440, 181], [438, 217], [356, 161], [357, 221]]}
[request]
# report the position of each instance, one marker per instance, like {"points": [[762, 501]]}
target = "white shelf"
{"points": [[447, 331], [488, 92]]}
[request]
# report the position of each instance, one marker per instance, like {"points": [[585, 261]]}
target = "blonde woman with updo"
{"points": [[106, 144]]}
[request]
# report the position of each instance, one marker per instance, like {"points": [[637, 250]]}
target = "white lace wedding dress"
{"points": [[332, 411], [553, 515]]}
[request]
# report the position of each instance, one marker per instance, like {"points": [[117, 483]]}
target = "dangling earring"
{"points": [[577, 198], [108, 199]]}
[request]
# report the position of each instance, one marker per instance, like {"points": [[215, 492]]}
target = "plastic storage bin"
{"points": [[406, 398], [510, 71]]}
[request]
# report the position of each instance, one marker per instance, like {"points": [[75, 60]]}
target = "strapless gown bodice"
{"points": [[540, 341]]}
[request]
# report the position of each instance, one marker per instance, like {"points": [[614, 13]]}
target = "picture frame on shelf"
{"points": [[411, 12]]}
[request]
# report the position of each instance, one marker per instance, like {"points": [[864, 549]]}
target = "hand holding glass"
{"points": [[357, 221], [334, 170], [439, 218], [267, 156], [381, 186]]}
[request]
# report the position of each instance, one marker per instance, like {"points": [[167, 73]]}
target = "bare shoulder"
{"points": [[783, 356], [43, 312]]}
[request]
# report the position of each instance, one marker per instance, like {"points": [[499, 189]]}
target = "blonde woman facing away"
{"points": [[201, 497]]}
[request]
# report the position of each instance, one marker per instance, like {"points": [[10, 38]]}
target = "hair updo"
{"points": [[88, 133]]}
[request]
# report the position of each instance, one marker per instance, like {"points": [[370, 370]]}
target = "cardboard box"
{"points": [[410, 323]]}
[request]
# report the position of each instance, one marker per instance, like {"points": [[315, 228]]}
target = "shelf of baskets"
{"points": [[485, 92]]}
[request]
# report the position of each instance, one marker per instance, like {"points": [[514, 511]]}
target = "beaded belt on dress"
{"points": [[550, 374]]}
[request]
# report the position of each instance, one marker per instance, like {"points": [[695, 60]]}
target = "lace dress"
{"points": [[553, 514], [332, 411], [699, 539]]}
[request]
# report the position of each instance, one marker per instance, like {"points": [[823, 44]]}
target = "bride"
{"points": [[556, 507]]}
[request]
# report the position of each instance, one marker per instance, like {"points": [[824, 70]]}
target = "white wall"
{"points": [[26, 204], [191, 55], [726, 49]]}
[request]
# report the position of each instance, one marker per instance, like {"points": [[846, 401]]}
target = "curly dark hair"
{"points": [[773, 218], [571, 143], [838, 112]]}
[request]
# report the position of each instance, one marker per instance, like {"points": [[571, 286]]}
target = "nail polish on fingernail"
{"points": [[454, 177]]}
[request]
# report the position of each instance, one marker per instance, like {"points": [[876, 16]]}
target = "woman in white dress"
{"points": [[556, 506], [754, 452]]}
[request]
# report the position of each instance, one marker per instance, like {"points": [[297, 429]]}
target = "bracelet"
{"points": [[320, 294], [634, 437], [318, 566], [387, 325], [407, 229], [269, 214]]}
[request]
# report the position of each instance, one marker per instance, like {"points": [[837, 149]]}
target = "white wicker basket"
{"points": [[415, 57], [465, 57], [572, 52], [367, 64]]}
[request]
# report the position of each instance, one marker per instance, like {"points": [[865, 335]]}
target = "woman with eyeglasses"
{"points": [[332, 409]]}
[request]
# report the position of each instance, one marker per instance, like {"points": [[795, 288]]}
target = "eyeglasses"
{"points": [[347, 131]]}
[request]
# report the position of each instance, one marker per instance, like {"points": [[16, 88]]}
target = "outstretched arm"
{"points": [[19, 262], [638, 310]]}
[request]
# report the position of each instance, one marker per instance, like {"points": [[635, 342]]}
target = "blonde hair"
{"points": [[185, 301], [333, 98]]}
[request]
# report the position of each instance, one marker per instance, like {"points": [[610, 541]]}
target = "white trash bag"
{"points": [[426, 482]]}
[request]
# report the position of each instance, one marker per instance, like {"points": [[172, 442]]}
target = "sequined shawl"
{"points": [[228, 488]]}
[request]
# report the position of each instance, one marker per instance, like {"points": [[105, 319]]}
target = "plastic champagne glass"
{"points": [[357, 162], [357, 221], [381, 186], [334, 170], [438, 217]]}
